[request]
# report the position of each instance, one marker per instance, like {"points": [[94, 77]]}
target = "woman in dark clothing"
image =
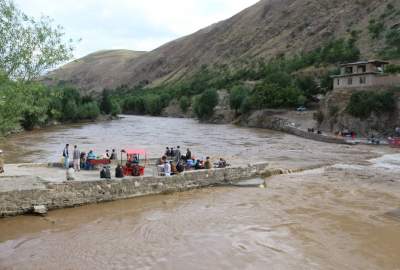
{"points": [[188, 154], [119, 172]]}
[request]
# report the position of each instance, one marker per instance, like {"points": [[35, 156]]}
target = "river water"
{"points": [[343, 215]]}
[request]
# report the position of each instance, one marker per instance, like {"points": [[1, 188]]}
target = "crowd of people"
{"points": [[75, 160], [174, 162], [82, 160]]}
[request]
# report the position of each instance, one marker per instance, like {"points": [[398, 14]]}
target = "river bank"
{"points": [[55, 123], [288, 121]]}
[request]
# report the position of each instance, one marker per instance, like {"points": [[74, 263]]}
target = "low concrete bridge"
{"points": [[43, 184]]}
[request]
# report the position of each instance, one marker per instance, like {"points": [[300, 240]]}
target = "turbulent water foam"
{"points": [[388, 162]]}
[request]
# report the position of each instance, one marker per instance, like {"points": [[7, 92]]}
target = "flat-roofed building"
{"points": [[364, 74]]}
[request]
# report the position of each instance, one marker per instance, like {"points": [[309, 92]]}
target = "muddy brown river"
{"points": [[344, 214]]}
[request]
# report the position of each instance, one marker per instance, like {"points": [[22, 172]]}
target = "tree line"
{"points": [[277, 84], [28, 48]]}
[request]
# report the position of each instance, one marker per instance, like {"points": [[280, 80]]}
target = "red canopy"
{"points": [[133, 152]]}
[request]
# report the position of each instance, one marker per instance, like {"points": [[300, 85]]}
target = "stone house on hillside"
{"points": [[364, 74]]}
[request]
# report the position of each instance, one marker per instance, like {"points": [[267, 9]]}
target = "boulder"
{"points": [[40, 209]]}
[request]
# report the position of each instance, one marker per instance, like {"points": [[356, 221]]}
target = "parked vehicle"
{"points": [[132, 166], [301, 109], [394, 142]]}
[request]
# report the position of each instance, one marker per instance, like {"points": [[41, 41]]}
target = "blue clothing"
{"points": [[66, 162], [189, 163], [66, 157], [91, 155]]}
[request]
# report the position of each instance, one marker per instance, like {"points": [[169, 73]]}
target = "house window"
{"points": [[349, 70], [363, 80], [362, 69], [350, 81], [338, 81]]}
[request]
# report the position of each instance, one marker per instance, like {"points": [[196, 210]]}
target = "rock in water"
{"points": [[257, 182], [40, 209]]}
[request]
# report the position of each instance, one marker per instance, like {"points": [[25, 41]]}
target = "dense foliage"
{"points": [[363, 104], [392, 49], [376, 28], [31, 104], [277, 83], [28, 47], [379, 28], [237, 96], [204, 104], [393, 69], [184, 103]]}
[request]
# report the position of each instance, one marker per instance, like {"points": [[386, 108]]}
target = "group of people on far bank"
{"points": [[173, 162]]}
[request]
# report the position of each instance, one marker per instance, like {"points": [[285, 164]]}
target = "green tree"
{"points": [[247, 105], [89, 111], [28, 47], [106, 102], [340, 50], [184, 103], [392, 39], [308, 86], [301, 100], [115, 108], [11, 97], [363, 104], [153, 104], [266, 95], [35, 106], [203, 105], [393, 69], [236, 97], [70, 111], [376, 28]]}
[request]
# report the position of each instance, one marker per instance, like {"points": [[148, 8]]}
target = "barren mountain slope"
{"points": [[268, 28], [102, 69]]}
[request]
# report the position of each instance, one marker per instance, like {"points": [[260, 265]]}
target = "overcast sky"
{"points": [[131, 24]]}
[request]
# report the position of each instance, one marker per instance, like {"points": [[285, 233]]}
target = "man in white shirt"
{"points": [[167, 168], [70, 174], [106, 155]]}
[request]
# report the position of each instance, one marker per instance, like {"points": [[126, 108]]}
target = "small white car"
{"points": [[301, 109]]}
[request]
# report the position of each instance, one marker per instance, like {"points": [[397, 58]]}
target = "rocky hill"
{"points": [[267, 29], [336, 117]]}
